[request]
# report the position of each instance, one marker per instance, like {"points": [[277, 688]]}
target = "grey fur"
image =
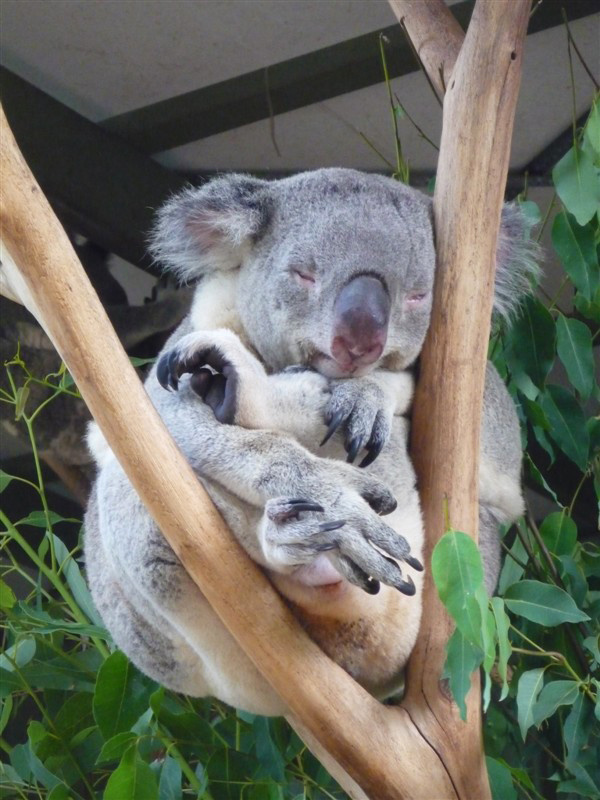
{"points": [[273, 258]]}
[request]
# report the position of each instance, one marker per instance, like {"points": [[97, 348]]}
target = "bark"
{"points": [[417, 751], [435, 35], [479, 108]]}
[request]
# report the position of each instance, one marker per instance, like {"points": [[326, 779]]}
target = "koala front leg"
{"points": [[270, 471]]}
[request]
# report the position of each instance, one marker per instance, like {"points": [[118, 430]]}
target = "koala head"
{"points": [[336, 267]]}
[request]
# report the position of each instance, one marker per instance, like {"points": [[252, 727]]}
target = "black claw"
{"points": [[162, 371], [407, 587], [372, 586], [305, 505], [335, 423], [323, 548], [414, 563], [354, 447], [331, 526], [373, 450]]}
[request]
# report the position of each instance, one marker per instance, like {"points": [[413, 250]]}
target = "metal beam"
{"points": [[295, 83], [98, 183]]}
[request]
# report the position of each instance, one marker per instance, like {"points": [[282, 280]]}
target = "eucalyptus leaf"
{"points": [[577, 182], [553, 695], [132, 780], [531, 342], [528, 689], [504, 645], [5, 479], [115, 747], [543, 603], [569, 430], [574, 347], [7, 596], [458, 573], [592, 127], [19, 654], [576, 248], [462, 658], [268, 755], [169, 786], [501, 782], [559, 533], [70, 569], [577, 726], [121, 695], [512, 571]]}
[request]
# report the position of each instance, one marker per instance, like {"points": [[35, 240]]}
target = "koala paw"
{"points": [[298, 532], [358, 407], [221, 369]]}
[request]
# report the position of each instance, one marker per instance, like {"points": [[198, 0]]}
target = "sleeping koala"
{"points": [[315, 297]]}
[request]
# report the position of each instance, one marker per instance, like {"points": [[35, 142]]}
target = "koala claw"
{"points": [[414, 563], [214, 378], [290, 509], [334, 423], [359, 408]]}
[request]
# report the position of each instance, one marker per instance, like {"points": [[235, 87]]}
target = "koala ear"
{"points": [[517, 261], [202, 230]]}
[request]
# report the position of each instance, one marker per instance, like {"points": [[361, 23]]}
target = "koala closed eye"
{"points": [[304, 277]]}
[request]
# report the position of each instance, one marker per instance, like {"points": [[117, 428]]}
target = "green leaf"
{"points": [[512, 571], [569, 430], [537, 476], [21, 401], [577, 182], [501, 782], [7, 596], [42, 622], [121, 695], [38, 519], [21, 653], [553, 695], [458, 573], [574, 347], [504, 645], [169, 787], [267, 753], [559, 533], [530, 685], [577, 728], [543, 603], [461, 660], [592, 128], [576, 249], [5, 479], [114, 748], [72, 573], [530, 342], [592, 644], [5, 713], [132, 780]]}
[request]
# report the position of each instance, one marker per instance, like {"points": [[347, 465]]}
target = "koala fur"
{"points": [[315, 296]]}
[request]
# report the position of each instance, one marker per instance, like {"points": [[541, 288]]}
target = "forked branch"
{"points": [[416, 751]]}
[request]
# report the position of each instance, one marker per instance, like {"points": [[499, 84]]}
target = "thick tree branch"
{"points": [[479, 107], [435, 35], [377, 746]]}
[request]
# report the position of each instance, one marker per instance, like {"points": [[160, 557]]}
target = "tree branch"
{"points": [[479, 107]]}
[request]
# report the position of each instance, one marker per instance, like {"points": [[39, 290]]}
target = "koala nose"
{"points": [[360, 321]]}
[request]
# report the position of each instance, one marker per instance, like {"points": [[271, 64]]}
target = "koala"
{"points": [[313, 299]]}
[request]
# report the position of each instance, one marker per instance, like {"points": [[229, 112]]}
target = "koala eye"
{"points": [[416, 299], [304, 278]]}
